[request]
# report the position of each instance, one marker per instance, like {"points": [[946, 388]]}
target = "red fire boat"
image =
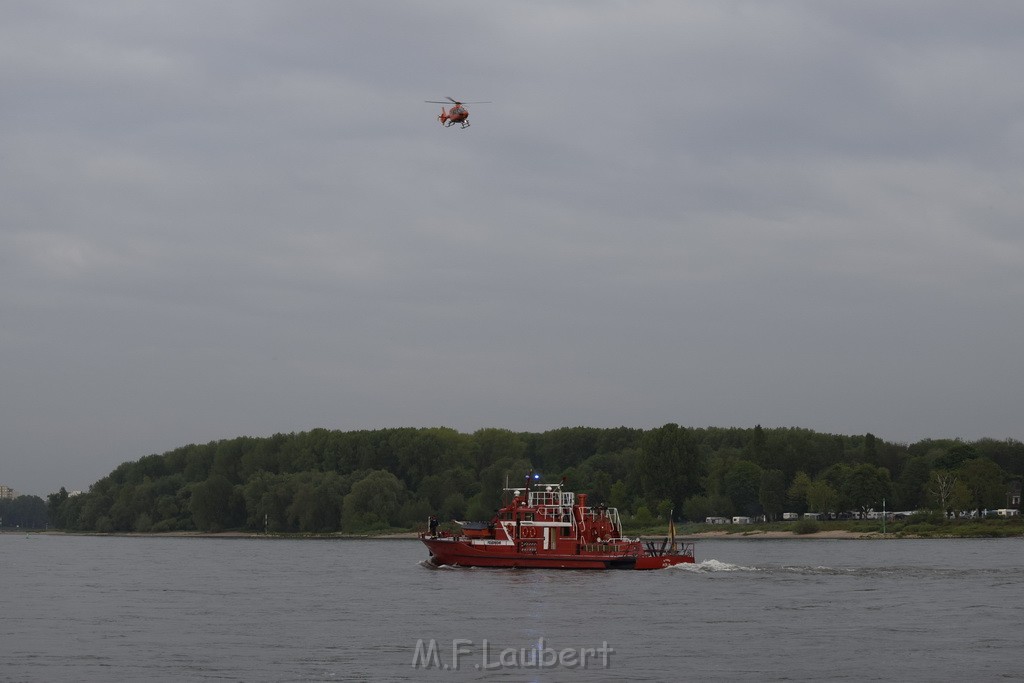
{"points": [[546, 527]]}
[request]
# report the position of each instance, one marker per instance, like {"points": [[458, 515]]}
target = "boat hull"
{"points": [[662, 561], [454, 552]]}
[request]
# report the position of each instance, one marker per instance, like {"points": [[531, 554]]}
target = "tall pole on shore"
{"points": [[883, 516]]}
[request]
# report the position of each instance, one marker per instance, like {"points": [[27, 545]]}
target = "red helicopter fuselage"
{"points": [[457, 114]]}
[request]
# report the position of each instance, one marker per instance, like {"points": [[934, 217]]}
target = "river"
{"points": [[170, 608]]}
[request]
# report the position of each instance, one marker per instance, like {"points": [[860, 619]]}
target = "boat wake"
{"points": [[428, 564], [712, 566]]}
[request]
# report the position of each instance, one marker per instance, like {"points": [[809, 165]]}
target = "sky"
{"points": [[237, 218]]}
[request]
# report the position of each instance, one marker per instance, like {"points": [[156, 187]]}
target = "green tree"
{"points": [[955, 456], [26, 512], [985, 481], [197, 461], [835, 476], [57, 508], [911, 485], [373, 502], [772, 493], [143, 523], [866, 486], [742, 484], [796, 495], [1008, 454], [670, 465], [492, 482], [643, 518], [756, 447], [699, 508], [492, 445], [211, 503], [870, 449], [267, 499], [316, 502], [619, 495], [719, 464], [453, 507], [821, 497], [120, 514], [600, 487]]}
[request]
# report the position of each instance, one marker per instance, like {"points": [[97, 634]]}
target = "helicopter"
{"points": [[457, 113]]}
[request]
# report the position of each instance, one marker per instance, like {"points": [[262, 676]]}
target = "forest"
{"points": [[324, 481], [23, 512]]}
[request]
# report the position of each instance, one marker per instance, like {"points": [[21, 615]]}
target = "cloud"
{"points": [[243, 218]]}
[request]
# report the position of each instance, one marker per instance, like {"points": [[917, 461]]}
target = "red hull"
{"points": [[462, 553], [656, 562], [545, 527]]}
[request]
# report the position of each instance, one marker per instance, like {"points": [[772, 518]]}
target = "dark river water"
{"points": [[133, 609]]}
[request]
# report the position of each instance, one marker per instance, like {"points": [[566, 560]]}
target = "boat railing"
{"points": [[555, 513], [621, 546], [655, 549], [552, 498], [611, 514]]}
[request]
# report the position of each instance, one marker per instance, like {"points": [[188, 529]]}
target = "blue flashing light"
{"points": [[536, 476]]}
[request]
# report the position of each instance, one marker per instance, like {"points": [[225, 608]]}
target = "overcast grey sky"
{"points": [[226, 218]]}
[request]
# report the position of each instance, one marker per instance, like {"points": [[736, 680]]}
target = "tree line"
{"points": [[361, 481], [23, 512]]}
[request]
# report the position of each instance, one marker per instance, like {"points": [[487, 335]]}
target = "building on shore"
{"points": [[1013, 494], [7, 493]]}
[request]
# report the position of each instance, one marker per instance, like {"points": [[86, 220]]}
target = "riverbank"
{"points": [[760, 533], [753, 534], [402, 535], [413, 535], [982, 529]]}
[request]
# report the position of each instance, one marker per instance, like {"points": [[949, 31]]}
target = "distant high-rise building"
{"points": [[7, 493]]}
